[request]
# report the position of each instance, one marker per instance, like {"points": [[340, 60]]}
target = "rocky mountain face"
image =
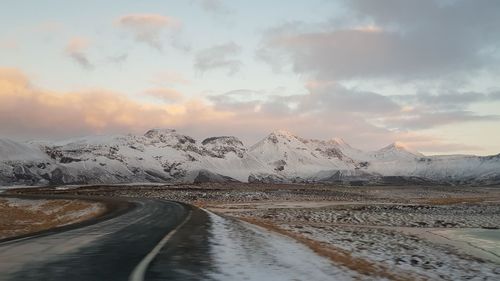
{"points": [[167, 156]]}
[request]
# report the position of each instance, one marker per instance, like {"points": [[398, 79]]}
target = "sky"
{"points": [[423, 73]]}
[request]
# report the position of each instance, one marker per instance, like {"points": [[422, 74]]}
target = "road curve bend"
{"points": [[110, 247], [153, 240]]}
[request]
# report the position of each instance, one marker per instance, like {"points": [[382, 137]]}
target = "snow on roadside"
{"points": [[242, 251]]}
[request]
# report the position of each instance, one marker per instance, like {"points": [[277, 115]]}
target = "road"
{"points": [[107, 249], [149, 239]]}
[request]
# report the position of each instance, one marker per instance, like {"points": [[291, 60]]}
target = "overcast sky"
{"points": [[425, 73]]}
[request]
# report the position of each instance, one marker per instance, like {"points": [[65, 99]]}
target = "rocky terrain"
{"points": [[166, 156]]}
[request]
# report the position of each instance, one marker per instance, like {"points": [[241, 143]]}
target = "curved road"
{"points": [[107, 248], [148, 239]]}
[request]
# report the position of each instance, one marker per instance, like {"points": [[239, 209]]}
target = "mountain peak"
{"points": [[168, 136], [283, 133], [399, 147], [223, 140], [159, 132], [280, 136], [396, 145]]}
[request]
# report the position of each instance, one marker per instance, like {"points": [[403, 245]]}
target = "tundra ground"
{"points": [[393, 232]]}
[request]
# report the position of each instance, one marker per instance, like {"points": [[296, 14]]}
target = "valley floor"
{"points": [[387, 232]]}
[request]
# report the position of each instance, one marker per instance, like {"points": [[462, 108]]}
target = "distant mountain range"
{"points": [[163, 155]]}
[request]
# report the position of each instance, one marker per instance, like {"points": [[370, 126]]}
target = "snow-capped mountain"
{"points": [[162, 155], [292, 156]]}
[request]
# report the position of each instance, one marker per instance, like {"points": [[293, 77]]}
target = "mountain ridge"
{"points": [[164, 155]]}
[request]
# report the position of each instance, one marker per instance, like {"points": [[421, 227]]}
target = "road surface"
{"points": [[149, 239]]}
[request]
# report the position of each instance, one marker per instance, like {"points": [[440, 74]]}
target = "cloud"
{"points": [[241, 100], [418, 120], [333, 110], [411, 43], [425, 110], [27, 111], [148, 28], [402, 40], [328, 110], [219, 57], [119, 59], [456, 99], [331, 101], [334, 97], [216, 7], [76, 50], [165, 94]]}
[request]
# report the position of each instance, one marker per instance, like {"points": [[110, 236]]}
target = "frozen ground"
{"points": [[384, 227], [450, 216], [402, 252]]}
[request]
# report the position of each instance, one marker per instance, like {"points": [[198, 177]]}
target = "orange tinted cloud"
{"points": [[165, 94], [147, 21], [28, 111]]}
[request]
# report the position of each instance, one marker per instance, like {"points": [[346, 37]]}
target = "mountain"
{"points": [[163, 155], [292, 156], [15, 151]]}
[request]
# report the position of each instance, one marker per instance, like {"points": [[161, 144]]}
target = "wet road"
{"points": [[159, 240], [107, 249]]}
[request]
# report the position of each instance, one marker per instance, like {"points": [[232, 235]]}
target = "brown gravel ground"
{"points": [[16, 220]]}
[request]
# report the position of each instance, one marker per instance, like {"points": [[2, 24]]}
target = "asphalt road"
{"points": [[110, 247], [148, 239]]}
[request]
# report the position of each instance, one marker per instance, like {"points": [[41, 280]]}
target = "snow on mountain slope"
{"points": [[157, 156], [15, 151], [162, 155], [22, 163], [395, 151], [231, 158], [291, 156], [465, 169]]}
